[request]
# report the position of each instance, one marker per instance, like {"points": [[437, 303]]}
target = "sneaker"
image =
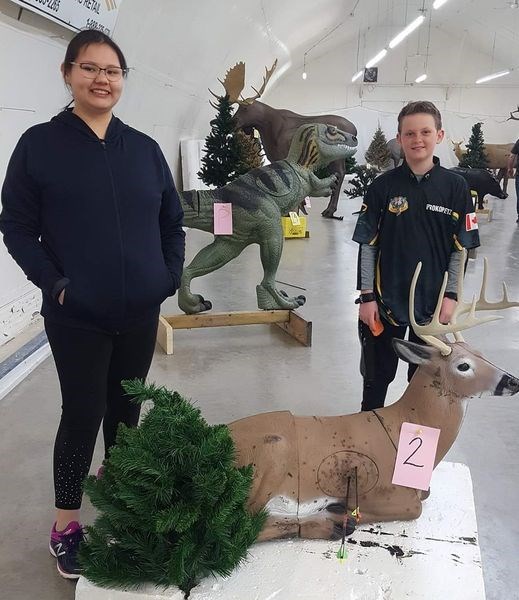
{"points": [[64, 546]]}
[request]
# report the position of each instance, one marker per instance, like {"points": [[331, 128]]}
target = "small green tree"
{"points": [[222, 149], [172, 503], [350, 163], [251, 156], [378, 153], [475, 156], [364, 177]]}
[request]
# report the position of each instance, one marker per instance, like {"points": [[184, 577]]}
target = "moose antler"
{"points": [[234, 83], [511, 117], [266, 77], [429, 331]]}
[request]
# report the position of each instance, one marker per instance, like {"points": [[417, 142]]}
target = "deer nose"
{"points": [[508, 386]]}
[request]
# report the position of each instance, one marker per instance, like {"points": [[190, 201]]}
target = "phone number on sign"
{"points": [[50, 4], [91, 24]]}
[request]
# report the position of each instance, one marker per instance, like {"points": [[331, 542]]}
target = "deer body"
{"points": [[497, 155], [302, 464]]}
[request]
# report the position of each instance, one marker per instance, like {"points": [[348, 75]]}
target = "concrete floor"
{"points": [[236, 371]]}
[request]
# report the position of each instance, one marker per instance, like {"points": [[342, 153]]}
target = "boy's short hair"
{"points": [[420, 106]]}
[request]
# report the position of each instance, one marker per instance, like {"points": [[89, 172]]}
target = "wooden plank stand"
{"points": [[288, 320]]}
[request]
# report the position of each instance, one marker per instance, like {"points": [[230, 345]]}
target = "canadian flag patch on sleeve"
{"points": [[471, 221]]}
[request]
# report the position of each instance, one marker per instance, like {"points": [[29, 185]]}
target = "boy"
{"points": [[419, 211]]}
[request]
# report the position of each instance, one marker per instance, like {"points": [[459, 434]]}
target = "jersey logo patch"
{"points": [[471, 221], [398, 205]]}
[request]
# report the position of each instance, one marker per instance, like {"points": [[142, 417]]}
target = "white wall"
{"points": [[31, 91]]}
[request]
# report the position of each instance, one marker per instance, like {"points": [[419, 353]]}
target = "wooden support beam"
{"points": [[288, 320], [165, 335], [298, 328]]}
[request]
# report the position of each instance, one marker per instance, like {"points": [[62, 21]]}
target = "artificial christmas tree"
{"points": [[378, 154], [360, 183], [350, 163], [475, 156], [172, 505], [222, 149]]}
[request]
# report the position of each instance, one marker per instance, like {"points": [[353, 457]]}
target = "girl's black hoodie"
{"points": [[100, 218]]}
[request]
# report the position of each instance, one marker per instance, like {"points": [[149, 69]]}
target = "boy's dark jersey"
{"points": [[411, 221]]}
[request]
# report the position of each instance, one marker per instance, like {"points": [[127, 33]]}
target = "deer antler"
{"points": [[511, 117], [429, 331], [482, 303], [266, 77]]}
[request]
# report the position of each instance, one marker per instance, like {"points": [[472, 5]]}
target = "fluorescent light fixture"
{"points": [[421, 78], [376, 59], [304, 75], [357, 75], [493, 76], [439, 3], [405, 32]]}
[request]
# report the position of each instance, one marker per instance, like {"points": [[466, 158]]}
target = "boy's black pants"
{"points": [[379, 362], [90, 367]]}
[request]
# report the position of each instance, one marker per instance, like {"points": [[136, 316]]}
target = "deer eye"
{"points": [[463, 367]]}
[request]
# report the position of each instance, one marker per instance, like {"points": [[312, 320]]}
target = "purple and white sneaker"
{"points": [[64, 545]]}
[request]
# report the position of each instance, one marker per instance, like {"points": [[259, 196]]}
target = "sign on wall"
{"points": [[77, 14]]}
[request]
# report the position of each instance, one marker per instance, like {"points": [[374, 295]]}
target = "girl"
{"points": [[92, 216]]}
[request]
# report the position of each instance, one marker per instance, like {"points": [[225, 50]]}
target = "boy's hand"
{"points": [[368, 313], [447, 310]]}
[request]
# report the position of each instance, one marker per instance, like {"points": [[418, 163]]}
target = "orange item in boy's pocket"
{"points": [[378, 328]]}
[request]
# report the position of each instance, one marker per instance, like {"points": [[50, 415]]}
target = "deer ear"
{"points": [[414, 353]]}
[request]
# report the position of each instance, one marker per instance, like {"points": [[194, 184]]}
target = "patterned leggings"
{"points": [[90, 367]]}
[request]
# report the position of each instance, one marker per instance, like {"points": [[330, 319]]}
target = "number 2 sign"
{"points": [[415, 456]]}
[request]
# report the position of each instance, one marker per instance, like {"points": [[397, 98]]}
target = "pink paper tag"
{"points": [[222, 218], [415, 457]]}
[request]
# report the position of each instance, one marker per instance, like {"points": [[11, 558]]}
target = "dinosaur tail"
{"points": [[198, 210]]}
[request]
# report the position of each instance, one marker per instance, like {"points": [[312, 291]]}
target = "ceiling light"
{"points": [[493, 76], [405, 32], [439, 3], [357, 75], [304, 75], [376, 59], [421, 78]]}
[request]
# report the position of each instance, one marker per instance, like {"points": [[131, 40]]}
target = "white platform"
{"points": [[436, 556]]}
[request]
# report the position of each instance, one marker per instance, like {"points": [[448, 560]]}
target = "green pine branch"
{"points": [[172, 504]]}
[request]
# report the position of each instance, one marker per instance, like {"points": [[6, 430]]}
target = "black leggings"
{"points": [[90, 367], [379, 362]]}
